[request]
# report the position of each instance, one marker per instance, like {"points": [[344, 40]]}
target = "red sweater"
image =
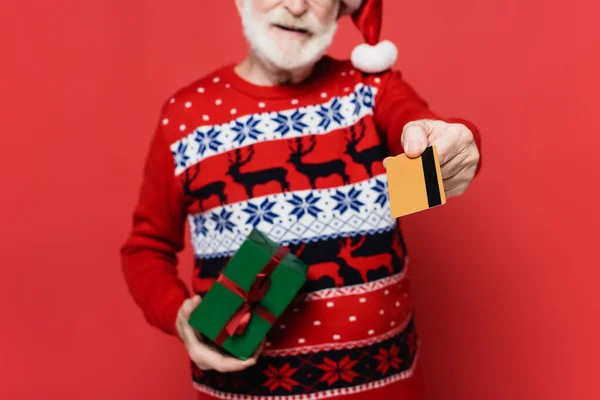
{"points": [[303, 164]]}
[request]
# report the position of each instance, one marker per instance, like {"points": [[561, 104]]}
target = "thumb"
{"points": [[189, 305], [414, 139], [194, 302]]}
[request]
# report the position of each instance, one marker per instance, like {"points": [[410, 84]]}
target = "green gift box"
{"points": [[255, 287]]}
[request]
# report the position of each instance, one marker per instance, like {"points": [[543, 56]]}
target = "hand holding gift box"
{"points": [[256, 286], [203, 354]]}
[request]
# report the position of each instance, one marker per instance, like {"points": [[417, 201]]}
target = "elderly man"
{"points": [[293, 143]]}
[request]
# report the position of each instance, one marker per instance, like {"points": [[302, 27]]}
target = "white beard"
{"points": [[288, 55]]}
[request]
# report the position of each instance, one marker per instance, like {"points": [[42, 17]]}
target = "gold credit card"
{"points": [[414, 184]]}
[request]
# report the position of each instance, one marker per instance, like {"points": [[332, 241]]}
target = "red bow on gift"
{"points": [[238, 323]]}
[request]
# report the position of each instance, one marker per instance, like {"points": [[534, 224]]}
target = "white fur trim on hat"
{"points": [[374, 59]]}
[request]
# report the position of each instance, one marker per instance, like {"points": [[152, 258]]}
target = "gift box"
{"points": [[255, 287]]}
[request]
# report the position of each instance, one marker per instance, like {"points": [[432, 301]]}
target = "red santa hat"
{"points": [[373, 56]]}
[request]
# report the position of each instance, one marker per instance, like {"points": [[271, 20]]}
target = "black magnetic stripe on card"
{"points": [[431, 179]]}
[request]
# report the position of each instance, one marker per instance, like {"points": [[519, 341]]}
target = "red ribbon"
{"points": [[238, 323]]}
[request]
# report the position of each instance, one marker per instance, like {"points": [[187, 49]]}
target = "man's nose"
{"points": [[296, 7]]}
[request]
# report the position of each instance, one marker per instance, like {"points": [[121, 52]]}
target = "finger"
{"points": [[455, 186], [186, 310], [447, 146], [261, 346], [254, 357], [189, 306], [259, 349], [204, 355], [234, 364], [454, 166], [453, 192], [189, 335], [230, 364], [451, 140], [214, 359], [414, 139], [208, 357]]}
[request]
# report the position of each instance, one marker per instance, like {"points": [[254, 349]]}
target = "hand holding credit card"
{"points": [[414, 184]]}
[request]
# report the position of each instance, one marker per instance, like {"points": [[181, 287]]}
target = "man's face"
{"points": [[289, 34]]}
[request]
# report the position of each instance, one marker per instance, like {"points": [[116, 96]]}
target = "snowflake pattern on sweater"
{"points": [[304, 165]]}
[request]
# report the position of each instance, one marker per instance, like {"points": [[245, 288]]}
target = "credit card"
{"points": [[414, 184]]}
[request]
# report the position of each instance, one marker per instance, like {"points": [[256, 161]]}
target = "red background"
{"points": [[505, 277]]}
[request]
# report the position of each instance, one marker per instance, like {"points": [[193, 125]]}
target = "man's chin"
{"points": [[290, 54]]}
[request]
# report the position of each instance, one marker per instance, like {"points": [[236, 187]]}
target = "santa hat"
{"points": [[373, 56]]}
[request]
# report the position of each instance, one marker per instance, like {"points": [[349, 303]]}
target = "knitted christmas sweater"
{"points": [[303, 164]]}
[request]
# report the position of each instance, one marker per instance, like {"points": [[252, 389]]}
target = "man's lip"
{"points": [[291, 29]]}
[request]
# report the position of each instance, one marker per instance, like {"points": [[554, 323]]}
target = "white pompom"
{"points": [[374, 59]]}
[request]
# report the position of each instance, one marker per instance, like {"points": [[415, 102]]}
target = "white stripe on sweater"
{"points": [[293, 217], [337, 113]]}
